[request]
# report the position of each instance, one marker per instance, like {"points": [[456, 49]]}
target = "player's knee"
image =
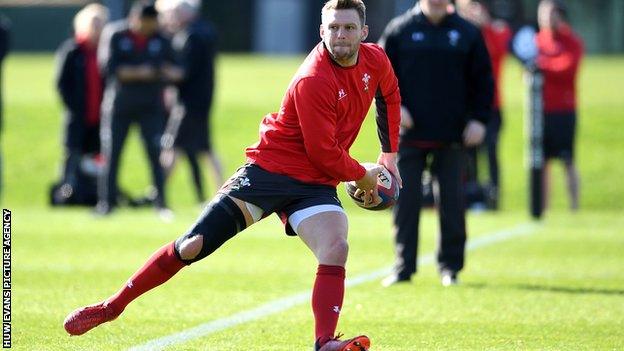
{"points": [[336, 252], [219, 222], [191, 247]]}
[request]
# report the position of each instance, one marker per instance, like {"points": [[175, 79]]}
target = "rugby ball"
{"points": [[387, 186]]}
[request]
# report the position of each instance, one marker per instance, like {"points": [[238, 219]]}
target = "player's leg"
{"points": [[74, 135], [572, 179], [204, 142], [491, 142], [572, 176], [172, 135], [556, 127], [546, 185], [220, 221], [406, 214], [71, 166], [559, 134], [447, 166], [325, 233], [168, 159], [152, 125], [113, 133], [471, 163], [196, 174], [215, 164]]}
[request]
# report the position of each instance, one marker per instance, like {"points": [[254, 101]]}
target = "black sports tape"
{"points": [[220, 221]]}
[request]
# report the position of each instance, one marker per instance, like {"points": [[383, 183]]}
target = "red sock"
{"points": [[163, 265], [327, 299]]}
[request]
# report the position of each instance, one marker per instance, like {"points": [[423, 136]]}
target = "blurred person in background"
{"points": [[559, 56], [497, 36], [5, 26], [293, 171], [188, 127], [446, 84], [137, 62], [81, 87]]}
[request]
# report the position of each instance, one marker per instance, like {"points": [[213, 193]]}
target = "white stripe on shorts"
{"points": [[255, 211], [296, 218]]}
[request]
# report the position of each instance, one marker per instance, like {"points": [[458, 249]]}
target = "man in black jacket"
{"points": [[80, 86], [188, 128], [446, 85], [137, 62]]}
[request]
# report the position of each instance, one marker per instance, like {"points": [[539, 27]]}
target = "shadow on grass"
{"points": [[548, 288], [569, 290]]}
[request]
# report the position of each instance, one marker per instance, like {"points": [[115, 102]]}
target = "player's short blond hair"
{"points": [[357, 5], [84, 17]]}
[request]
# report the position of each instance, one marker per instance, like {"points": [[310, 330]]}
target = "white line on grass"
{"points": [[287, 302]]}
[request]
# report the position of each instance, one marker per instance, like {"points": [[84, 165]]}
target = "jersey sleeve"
{"points": [[565, 64], [316, 109], [388, 108]]}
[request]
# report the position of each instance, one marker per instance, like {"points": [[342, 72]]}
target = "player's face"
{"points": [[342, 32], [95, 29], [147, 26], [436, 9], [547, 16], [166, 19], [473, 11]]}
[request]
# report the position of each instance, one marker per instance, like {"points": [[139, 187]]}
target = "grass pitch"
{"points": [[559, 286]]}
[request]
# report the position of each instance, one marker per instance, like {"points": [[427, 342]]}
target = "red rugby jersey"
{"points": [[559, 58], [321, 115], [497, 36]]}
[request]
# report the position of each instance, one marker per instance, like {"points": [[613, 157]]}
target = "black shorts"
{"points": [[194, 134], [276, 193], [559, 133]]}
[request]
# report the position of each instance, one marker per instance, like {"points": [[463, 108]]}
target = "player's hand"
{"points": [[389, 160], [407, 122], [478, 14], [171, 73], [367, 186], [474, 133], [166, 158], [146, 71], [136, 73]]}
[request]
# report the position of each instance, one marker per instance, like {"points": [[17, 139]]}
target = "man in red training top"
{"points": [[497, 35], [559, 58], [293, 171]]}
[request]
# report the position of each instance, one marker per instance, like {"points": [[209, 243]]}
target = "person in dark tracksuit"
{"points": [[497, 35], [80, 86], [137, 61], [560, 52], [446, 84], [188, 126]]}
